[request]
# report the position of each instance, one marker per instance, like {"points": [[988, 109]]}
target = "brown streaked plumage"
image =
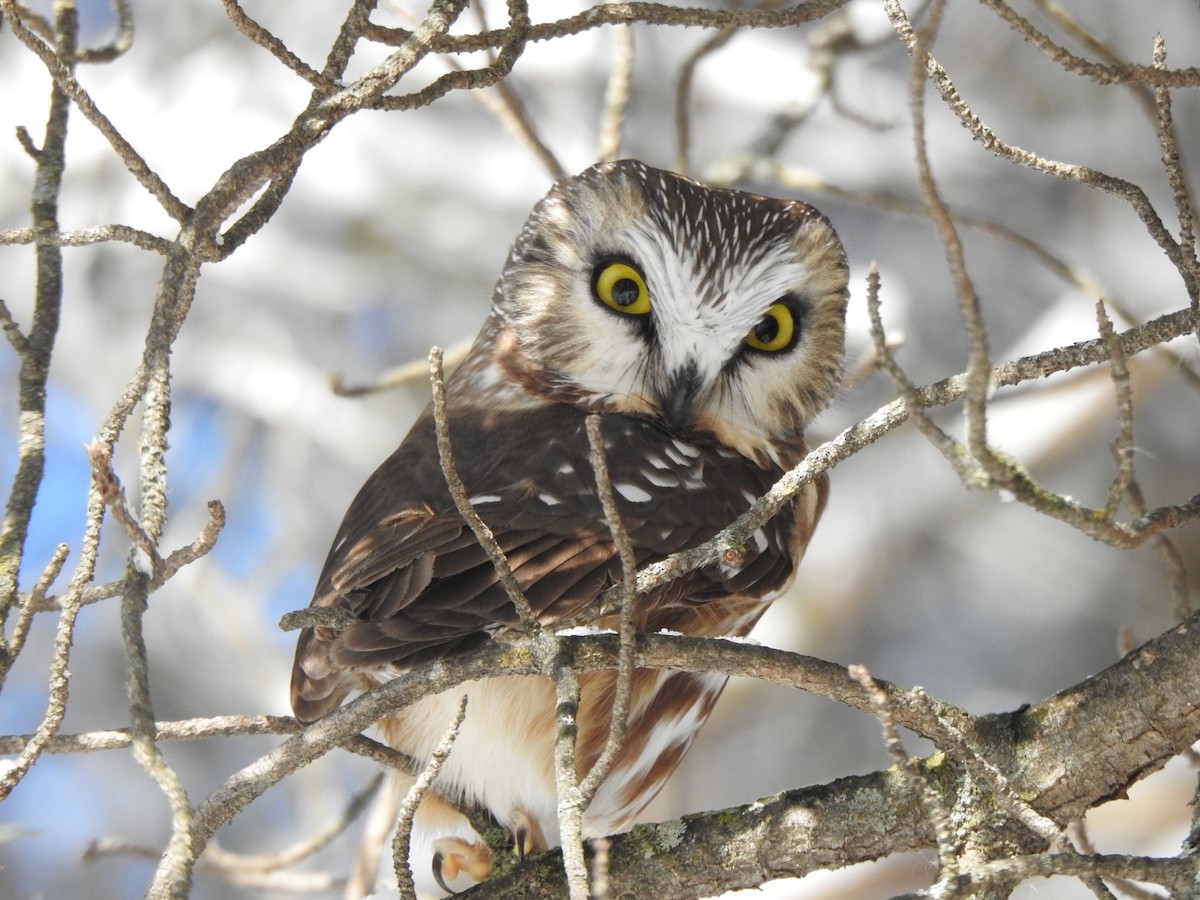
{"points": [[706, 326]]}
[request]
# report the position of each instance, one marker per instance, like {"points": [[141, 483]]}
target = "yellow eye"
{"points": [[774, 331], [621, 287]]}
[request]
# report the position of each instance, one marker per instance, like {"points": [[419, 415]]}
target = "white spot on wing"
{"points": [[550, 499], [483, 498], [760, 540], [632, 492], [686, 449], [669, 481]]}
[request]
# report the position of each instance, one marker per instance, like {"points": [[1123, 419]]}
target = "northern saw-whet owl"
{"points": [[706, 326]]}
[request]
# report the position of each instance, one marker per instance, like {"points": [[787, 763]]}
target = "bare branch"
{"points": [[627, 629], [12, 331], [626, 13], [38, 342], [461, 502], [28, 607], [939, 818], [1105, 74], [174, 873], [56, 706], [1123, 447], [66, 82], [566, 778], [276, 164], [510, 49], [886, 360], [408, 373], [416, 793], [806, 831], [81, 237], [980, 366], [265, 39], [683, 95], [950, 739], [112, 492], [616, 95], [1176, 177], [1127, 191]]}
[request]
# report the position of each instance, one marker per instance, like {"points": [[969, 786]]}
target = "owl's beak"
{"points": [[677, 399]]}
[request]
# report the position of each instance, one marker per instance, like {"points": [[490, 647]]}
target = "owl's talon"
{"points": [[452, 856], [437, 874], [527, 835]]}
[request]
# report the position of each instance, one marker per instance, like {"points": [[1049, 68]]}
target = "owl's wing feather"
{"points": [[406, 565]]}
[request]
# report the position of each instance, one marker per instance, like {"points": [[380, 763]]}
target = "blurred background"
{"points": [[389, 242]]}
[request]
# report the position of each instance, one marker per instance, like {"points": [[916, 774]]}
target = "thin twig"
{"points": [[1131, 193], [265, 39], [38, 342], [32, 380], [211, 727], [408, 373], [113, 493], [979, 366], [379, 825], [1176, 177], [1181, 600], [408, 808], [886, 360], [276, 165], [1115, 74], [949, 738], [1123, 446], [80, 237], [120, 43], [626, 13], [174, 873], [616, 95], [566, 778], [16, 337], [67, 83], [627, 629], [1082, 842], [516, 35], [943, 829], [461, 502], [506, 105], [218, 860], [683, 95], [56, 706], [28, 607], [222, 866]]}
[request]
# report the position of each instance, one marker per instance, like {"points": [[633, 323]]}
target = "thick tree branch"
{"points": [[1065, 755]]}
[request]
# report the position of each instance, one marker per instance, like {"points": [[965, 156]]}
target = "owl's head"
{"points": [[638, 291]]}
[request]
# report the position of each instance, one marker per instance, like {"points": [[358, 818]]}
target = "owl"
{"points": [[706, 327]]}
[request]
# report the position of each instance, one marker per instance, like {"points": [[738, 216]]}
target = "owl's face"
{"points": [[637, 291]]}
